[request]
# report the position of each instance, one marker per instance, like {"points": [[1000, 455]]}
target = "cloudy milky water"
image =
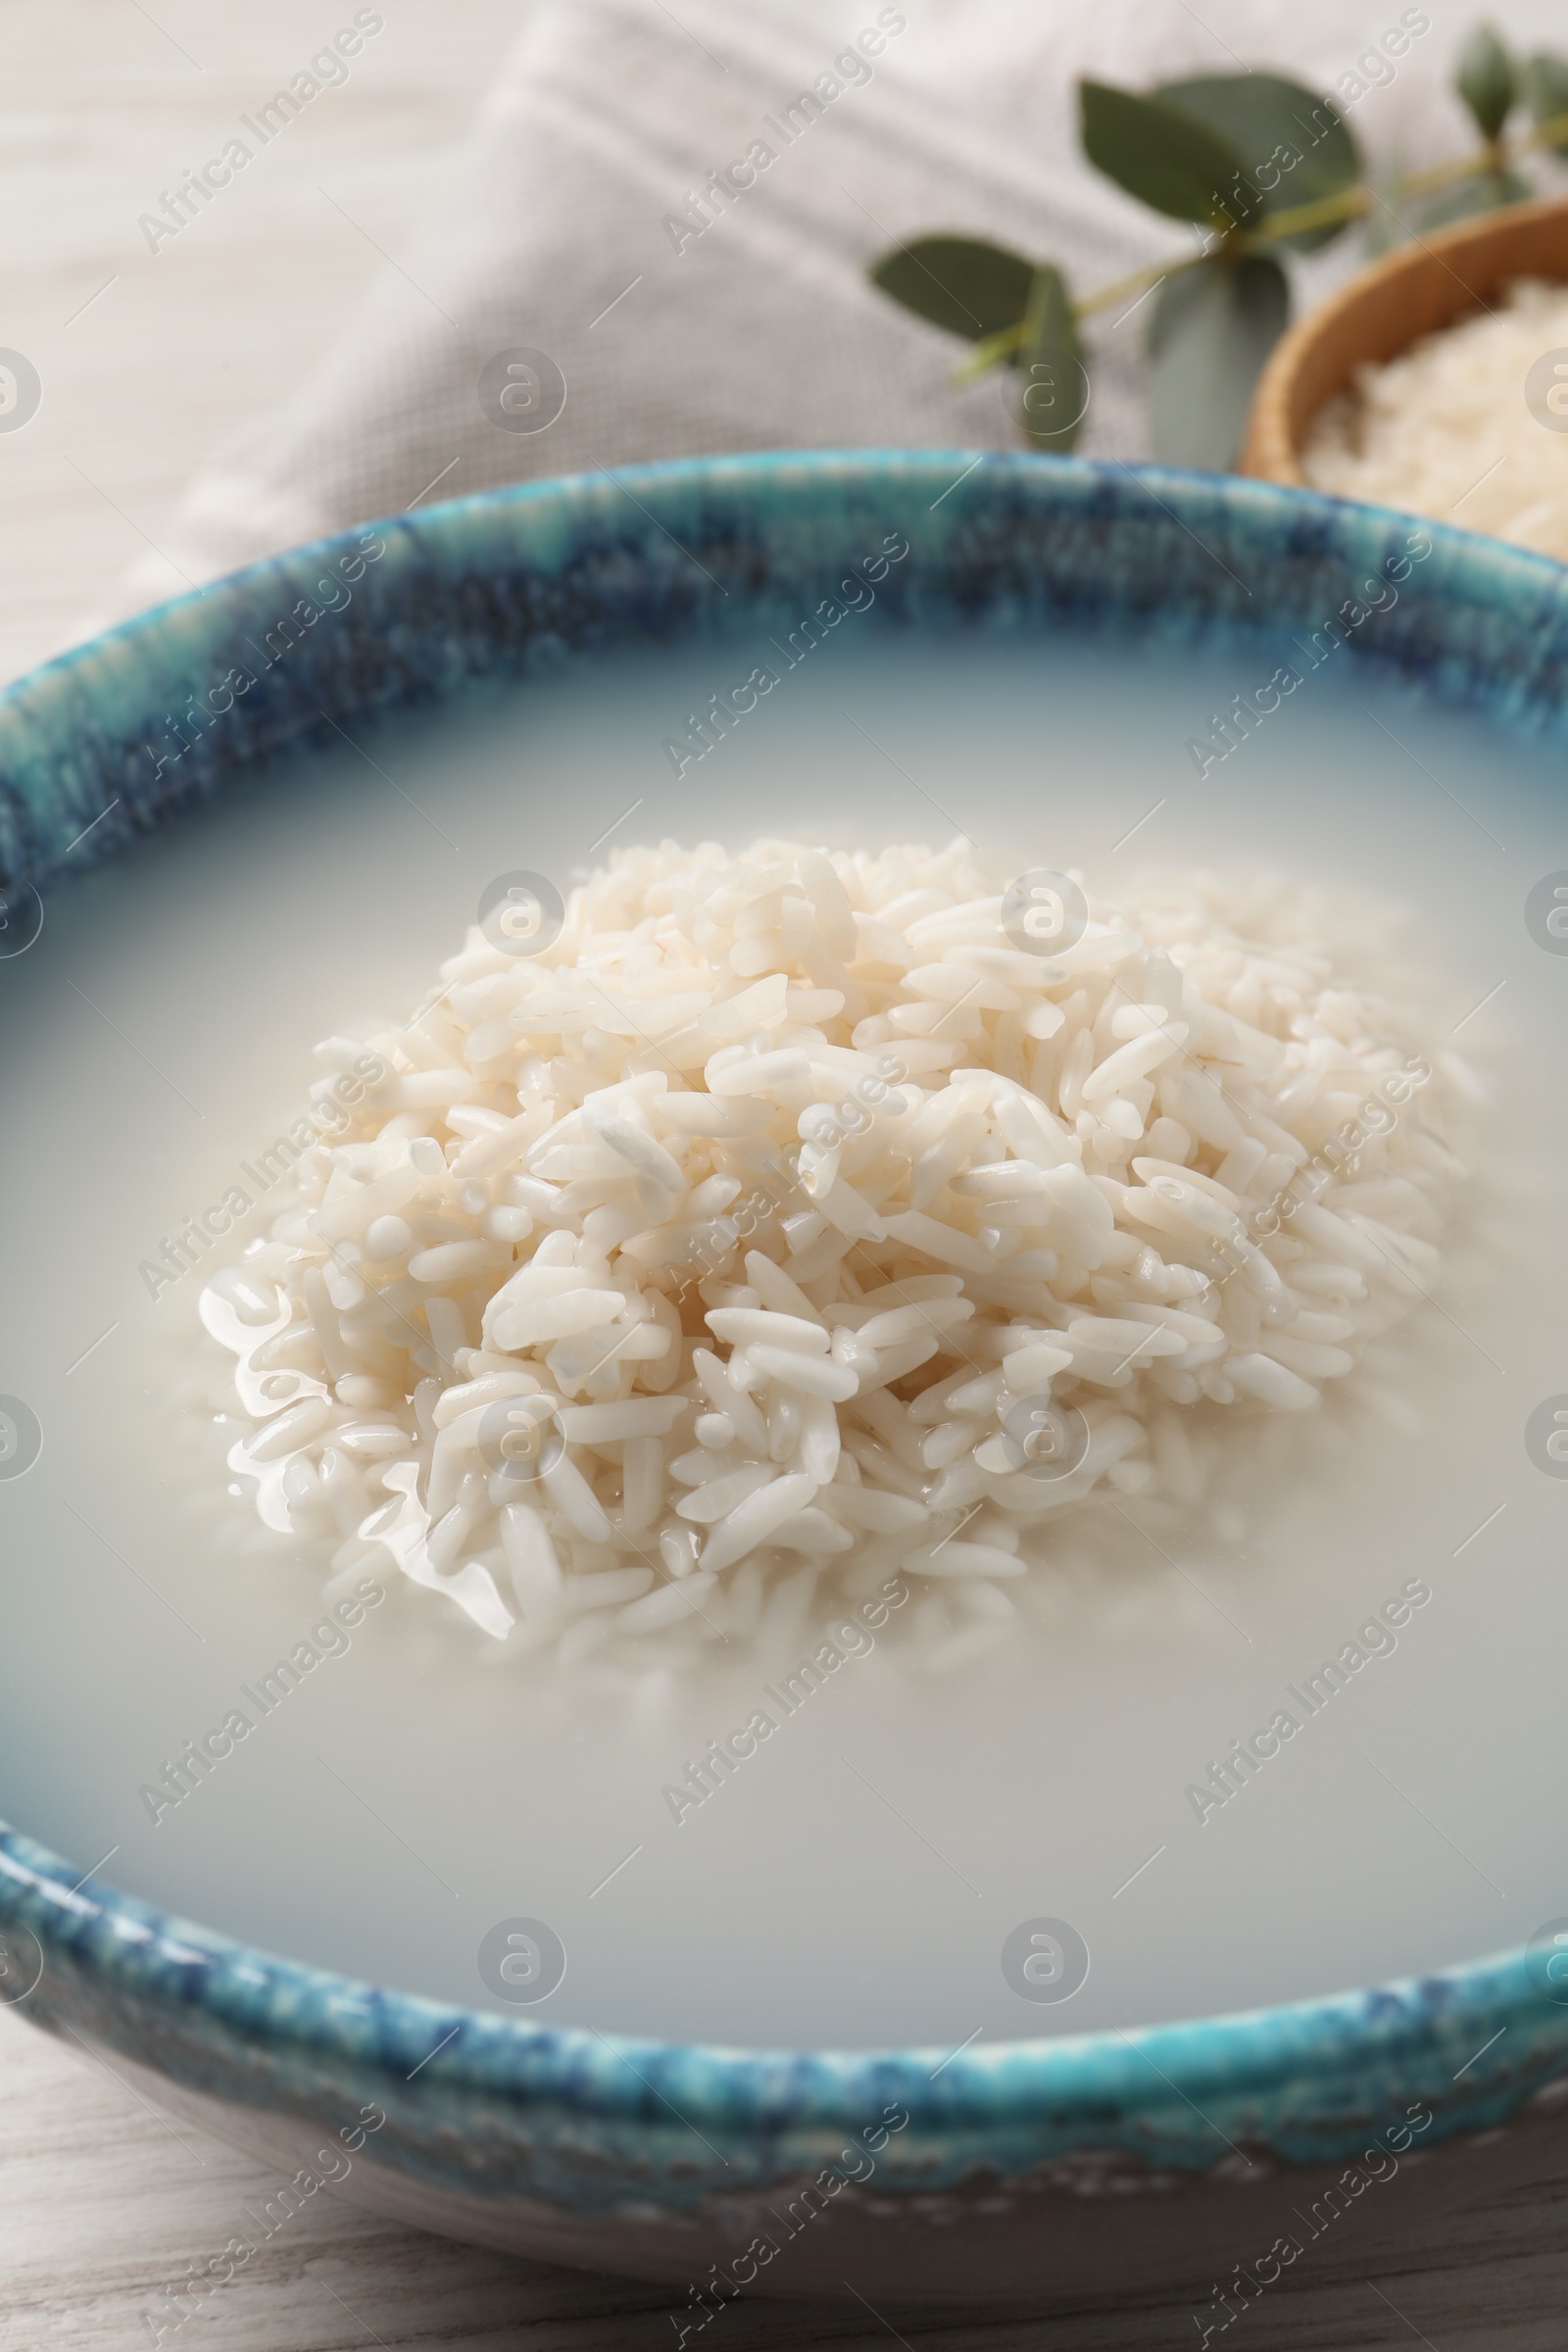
{"points": [[856, 1879]]}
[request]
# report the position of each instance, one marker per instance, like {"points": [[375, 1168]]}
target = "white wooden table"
{"points": [[146, 359], [102, 2205]]}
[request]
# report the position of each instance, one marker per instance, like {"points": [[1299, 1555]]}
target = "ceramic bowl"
{"points": [[1029, 2169]]}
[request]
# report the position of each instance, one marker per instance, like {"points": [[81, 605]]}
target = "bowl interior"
{"points": [[1001, 556]]}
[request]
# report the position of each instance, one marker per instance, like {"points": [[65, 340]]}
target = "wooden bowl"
{"points": [[1420, 286]]}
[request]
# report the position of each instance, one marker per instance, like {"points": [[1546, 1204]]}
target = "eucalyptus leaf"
{"points": [[960, 283], [1294, 146], [1165, 158], [1213, 327], [1485, 80], [1546, 89], [1055, 392], [1481, 192]]}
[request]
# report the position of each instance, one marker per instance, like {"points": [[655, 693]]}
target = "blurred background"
{"points": [[228, 369]]}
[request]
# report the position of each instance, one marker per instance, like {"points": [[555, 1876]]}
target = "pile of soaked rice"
{"points": [[785, 1227], [1469, 425]]}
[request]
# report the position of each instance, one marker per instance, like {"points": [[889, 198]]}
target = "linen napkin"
{"points": [[657, 245]]}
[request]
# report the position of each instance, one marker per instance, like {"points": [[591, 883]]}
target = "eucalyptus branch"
{"points": [[1221, 304], [1345, 204]]}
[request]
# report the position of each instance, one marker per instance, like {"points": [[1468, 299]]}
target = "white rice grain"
{"points": [[1407, 433], [779, 1279]]}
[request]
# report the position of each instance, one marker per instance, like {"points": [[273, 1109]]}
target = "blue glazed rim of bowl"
{"points": [[521, 580]]}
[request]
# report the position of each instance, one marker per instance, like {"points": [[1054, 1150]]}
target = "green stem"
{"points": [[1139, 283], [1345, 204], [991, 350]]}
